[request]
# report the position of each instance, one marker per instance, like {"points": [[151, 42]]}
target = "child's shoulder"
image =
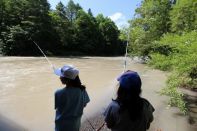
{"points": [[147, 104], [112, 108], [145, 101], [114, 105], [59, 91]]}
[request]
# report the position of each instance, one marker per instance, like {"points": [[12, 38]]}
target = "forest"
{"points": [[165, 31], [67, 30]]}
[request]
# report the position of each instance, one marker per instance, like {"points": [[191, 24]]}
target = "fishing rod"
{"points": [[50, 63], [125, 58], [94, 129], [90, 123], [126, 53], [101, 127], [53, 67], [125, 67]]}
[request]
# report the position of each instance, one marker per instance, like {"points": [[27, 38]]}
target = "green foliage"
{"points": [[181, 59], [124, 32], [72, 10], [85, 32], [182, 55], [184, 16], [14, 38], [109, 35], [140, 45], [151, 22], [165, 31], [24, 19], [176, 97], [161, 62], [67, 30]]}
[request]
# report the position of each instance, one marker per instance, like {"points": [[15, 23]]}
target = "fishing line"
{"points": [[90, 123], [126, 53], [125, 67], [52, 66], [125, 58]]}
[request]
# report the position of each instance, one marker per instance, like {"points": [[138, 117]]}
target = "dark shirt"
{"points": [[121, 121]]}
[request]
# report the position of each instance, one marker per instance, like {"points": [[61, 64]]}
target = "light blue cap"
{"points": [[67, 71]]}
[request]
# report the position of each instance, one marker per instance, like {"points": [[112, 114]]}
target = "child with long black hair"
{"points": [[70, 100], [129, 111]]}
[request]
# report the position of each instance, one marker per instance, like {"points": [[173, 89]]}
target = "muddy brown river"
{"points": [[27, 86]]}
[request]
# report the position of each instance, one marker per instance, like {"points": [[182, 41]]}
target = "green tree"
{"points": [[2, 22], [71, 10], [67, 30], [124, 33], [184, 16], [150, 23], [61, 10], [177, 53], [85, 33], [11, 32], [14, 40], [63, 27], [30, 17], [110, 43], [90, 12], [2, 15]]}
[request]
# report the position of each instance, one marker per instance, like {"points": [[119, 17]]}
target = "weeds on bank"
{"points": [[178, 55]]}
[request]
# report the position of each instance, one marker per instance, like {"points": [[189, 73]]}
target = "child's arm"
{"points": [[150, 115], [110, 115], [56, 100], [86, 98], [109, 119]]}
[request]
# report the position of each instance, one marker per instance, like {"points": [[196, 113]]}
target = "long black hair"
{"points": [[129, 99], [76, 83]]}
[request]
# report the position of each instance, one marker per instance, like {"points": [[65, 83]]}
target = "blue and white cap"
{"points": [[67, 71], [129, 80]]}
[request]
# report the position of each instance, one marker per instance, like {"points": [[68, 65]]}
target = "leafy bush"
{"points": [[181, 59], [176, 97], [160, 61]]}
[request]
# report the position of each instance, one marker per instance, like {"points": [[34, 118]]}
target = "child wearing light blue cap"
{"points": [[70, 100], [129, 111]]}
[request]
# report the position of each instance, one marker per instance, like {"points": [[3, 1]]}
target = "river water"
{"points": [[27, 86]]}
